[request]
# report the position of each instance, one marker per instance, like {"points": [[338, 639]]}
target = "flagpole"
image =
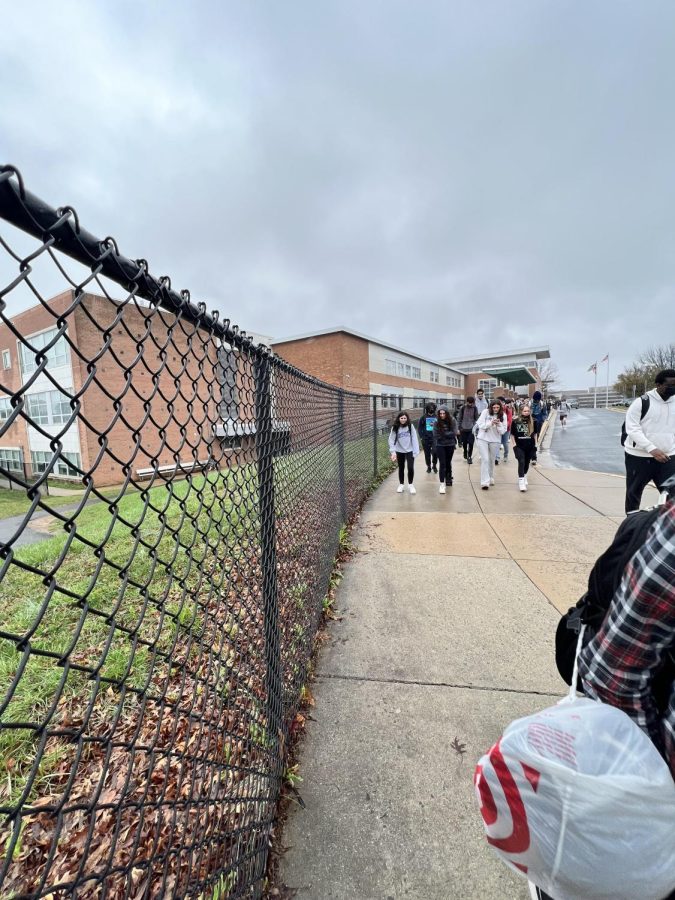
{"points": [[607, 390], [595, 387]]}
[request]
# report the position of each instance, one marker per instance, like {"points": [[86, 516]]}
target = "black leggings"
{"points": [[524, 455], [402, 457], [466, 439], [430, 457], [445, 455]]}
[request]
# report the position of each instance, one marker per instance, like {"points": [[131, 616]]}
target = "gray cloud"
{"points": [[453, 177]]}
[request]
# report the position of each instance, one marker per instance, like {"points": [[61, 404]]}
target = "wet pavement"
{"points": [[591, 441]]}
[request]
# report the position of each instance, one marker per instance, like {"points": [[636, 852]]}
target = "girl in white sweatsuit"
{"points": [[491, 425]]}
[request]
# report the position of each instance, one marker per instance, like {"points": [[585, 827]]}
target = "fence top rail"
{"points": [[61, 229]]}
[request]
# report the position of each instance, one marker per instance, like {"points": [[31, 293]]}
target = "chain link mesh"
{"points": [[176, 496]]}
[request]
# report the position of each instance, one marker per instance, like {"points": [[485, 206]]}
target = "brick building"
{"points": [[507, 372], [148, 391], [363, 364]]}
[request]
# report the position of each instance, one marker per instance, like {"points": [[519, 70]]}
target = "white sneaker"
{"points": [[525, 480], [411, 488], [399, 489], [492, 481], [441, 489], [521, 484]]}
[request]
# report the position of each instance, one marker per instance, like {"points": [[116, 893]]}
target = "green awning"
{"points": [[514, 376]]}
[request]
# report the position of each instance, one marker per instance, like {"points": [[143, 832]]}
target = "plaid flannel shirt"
{"points": [[618, 664]]}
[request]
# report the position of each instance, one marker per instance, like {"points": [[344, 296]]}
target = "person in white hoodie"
{"points": [[404, 446], [650, 439], [491, 426]]}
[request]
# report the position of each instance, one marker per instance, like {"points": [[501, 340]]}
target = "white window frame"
{"points": [[16, 458], [6, 359], [5, 409], [57, 356], [417, 372]]}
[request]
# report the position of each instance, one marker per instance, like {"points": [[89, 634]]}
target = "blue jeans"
{"points": [[506, 440]]}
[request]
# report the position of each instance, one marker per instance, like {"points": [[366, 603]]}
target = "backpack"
{"points": [[644, 399], [591, 609]]}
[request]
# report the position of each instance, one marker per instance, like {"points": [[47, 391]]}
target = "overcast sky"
{"points": [[453, 177]]}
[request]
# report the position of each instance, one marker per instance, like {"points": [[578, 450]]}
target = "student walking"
{"points": [[538, 413], [467, 416], [404, 447], [481, 402], [445, 441], [650, 439], [564, 408], [491, 427], [425, 428], [505, 442], [522, 434]]}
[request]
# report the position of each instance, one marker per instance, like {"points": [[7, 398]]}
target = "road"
{"points": [[591, 441]]}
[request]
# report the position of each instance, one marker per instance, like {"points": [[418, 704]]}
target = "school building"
{"points": [[125, 388], [506, 372], [356, 362]]}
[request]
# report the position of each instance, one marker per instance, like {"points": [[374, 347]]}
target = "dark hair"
{"points": [[430, 407], [470, 399], [480, 391], [448, 422], [496, 402], [397, 421], [663, 375]]}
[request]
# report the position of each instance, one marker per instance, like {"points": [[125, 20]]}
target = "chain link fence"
{"points": [[178, 495]]}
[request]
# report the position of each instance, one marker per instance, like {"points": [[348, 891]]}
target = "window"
{"points": [[391, 366], [400, 368], [418, 402], [6, 359], [60, 408], [65, 463], [408, 372], [37, 408], [5, 409], [58, 355], [488, 385], [11, 460], [433, 375], [227, 378], [417, 372]]}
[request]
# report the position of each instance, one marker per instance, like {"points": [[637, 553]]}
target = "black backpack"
{"points": [[591, 609], [643, 412]]}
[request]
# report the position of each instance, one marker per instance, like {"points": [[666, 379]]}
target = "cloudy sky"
{"points": [[453, 177]]}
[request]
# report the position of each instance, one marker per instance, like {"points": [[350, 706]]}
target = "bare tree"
{"points": [[548, 375], [658, 358], [639, 377]]}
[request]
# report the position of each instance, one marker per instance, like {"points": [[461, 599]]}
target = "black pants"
{"points": [[640, 470], [524, 455], [445, 455], [430, 457], [466, 439], [402, 457]]}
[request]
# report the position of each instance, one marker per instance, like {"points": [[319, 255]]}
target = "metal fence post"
{"points": [[341, 456], [400, 403], [375, 466], [264, 445]]}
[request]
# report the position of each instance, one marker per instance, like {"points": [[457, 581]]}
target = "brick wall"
{"points": [[339, 358]]}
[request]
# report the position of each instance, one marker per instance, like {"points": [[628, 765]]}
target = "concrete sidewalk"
{"points": [[446, 629]]}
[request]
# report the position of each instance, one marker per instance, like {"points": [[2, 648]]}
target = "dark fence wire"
{"points": [[154, 646]]}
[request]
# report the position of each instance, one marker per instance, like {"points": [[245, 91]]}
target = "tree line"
{"points": [[640, 374]]}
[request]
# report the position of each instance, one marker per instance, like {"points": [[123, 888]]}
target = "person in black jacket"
{"points": [[425, 430], [467, 416], [445, 441]]}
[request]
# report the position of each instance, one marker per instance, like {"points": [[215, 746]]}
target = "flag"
{"points": [[605, 358], [593, 368]]}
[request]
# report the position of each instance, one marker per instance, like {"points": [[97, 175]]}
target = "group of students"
{"points": [[492, 426]]}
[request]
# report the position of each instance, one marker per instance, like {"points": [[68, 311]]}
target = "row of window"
{"points": [[66, 463], [58, 355], [390, 401], [44, 408], [501, 363], [408, 370]]}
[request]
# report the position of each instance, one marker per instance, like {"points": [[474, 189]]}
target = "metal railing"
{"points": [[156, 625]]}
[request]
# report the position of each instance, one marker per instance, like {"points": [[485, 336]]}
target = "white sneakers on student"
{"points": [[441, 489], [411, 488], [492, 481], [399, 489], [522, 484], [525, 480]]}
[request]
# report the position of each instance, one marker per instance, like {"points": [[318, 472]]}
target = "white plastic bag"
{"points": [[577, 798]]}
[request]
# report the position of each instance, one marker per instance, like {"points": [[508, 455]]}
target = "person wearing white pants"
{"points": [[491, 426]]}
